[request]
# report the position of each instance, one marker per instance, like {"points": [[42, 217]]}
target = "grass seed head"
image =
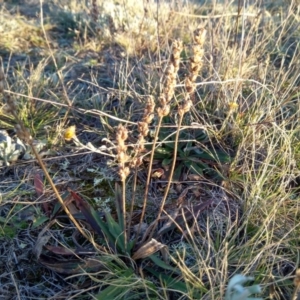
{"points": [[148, 119], [171, 72], [199, 36], [122, 157], [149, 110], [189, 86], [121, 147], [175, 56], [297, 278], [141, 142], [143, 128], [185, 107], [195, 60], [123, 173], [163, 111], [136, 162], [149, 106], [122, 133]]}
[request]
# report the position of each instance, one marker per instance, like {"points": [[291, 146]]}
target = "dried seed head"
{"points": [[171, 72], [122, 157], [149, 106], [136, 162], [163, 111], [175, 56], [123, 173], [149, 110], [122, 133], [189, 85], [170, 93], [140, 146], [195, 60], [198, 53], [297, 278], [143, 128], [148, 119], [162, 100], [199, 36], [183, 109], [121, 147]]}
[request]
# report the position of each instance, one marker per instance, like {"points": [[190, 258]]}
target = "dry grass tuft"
{"points": [[193, 108]]}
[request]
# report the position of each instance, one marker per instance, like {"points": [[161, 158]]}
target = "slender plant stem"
{"points": [[161, 207], [132, 203], [149, 174], [57, 193], [124, 213]]}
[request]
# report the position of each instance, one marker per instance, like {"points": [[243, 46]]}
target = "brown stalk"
{"points": [[23, 134], [122, 158], [161, 208], [296, 285], [143, 128], [163, 110], [195, 66]]}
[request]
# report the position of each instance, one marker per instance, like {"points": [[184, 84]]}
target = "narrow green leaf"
{"points": [[7, 231], [162, 264], [57, 206], [178, 172], [103, 226], [200, 135], [86, 210], [119, 204], [217, 156], [111, 292], [116, 231], [170, 282], [167, 161], [3, 220], [39, 221], [163, 151], [196, 168]]}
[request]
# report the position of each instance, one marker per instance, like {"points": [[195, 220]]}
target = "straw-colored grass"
{"points": [[149, 150]]}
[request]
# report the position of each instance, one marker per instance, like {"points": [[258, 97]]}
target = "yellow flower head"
{"points": [[233, 106], [70, 133]]}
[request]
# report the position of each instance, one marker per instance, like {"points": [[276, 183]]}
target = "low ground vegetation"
{"points": [[149, 150]]}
